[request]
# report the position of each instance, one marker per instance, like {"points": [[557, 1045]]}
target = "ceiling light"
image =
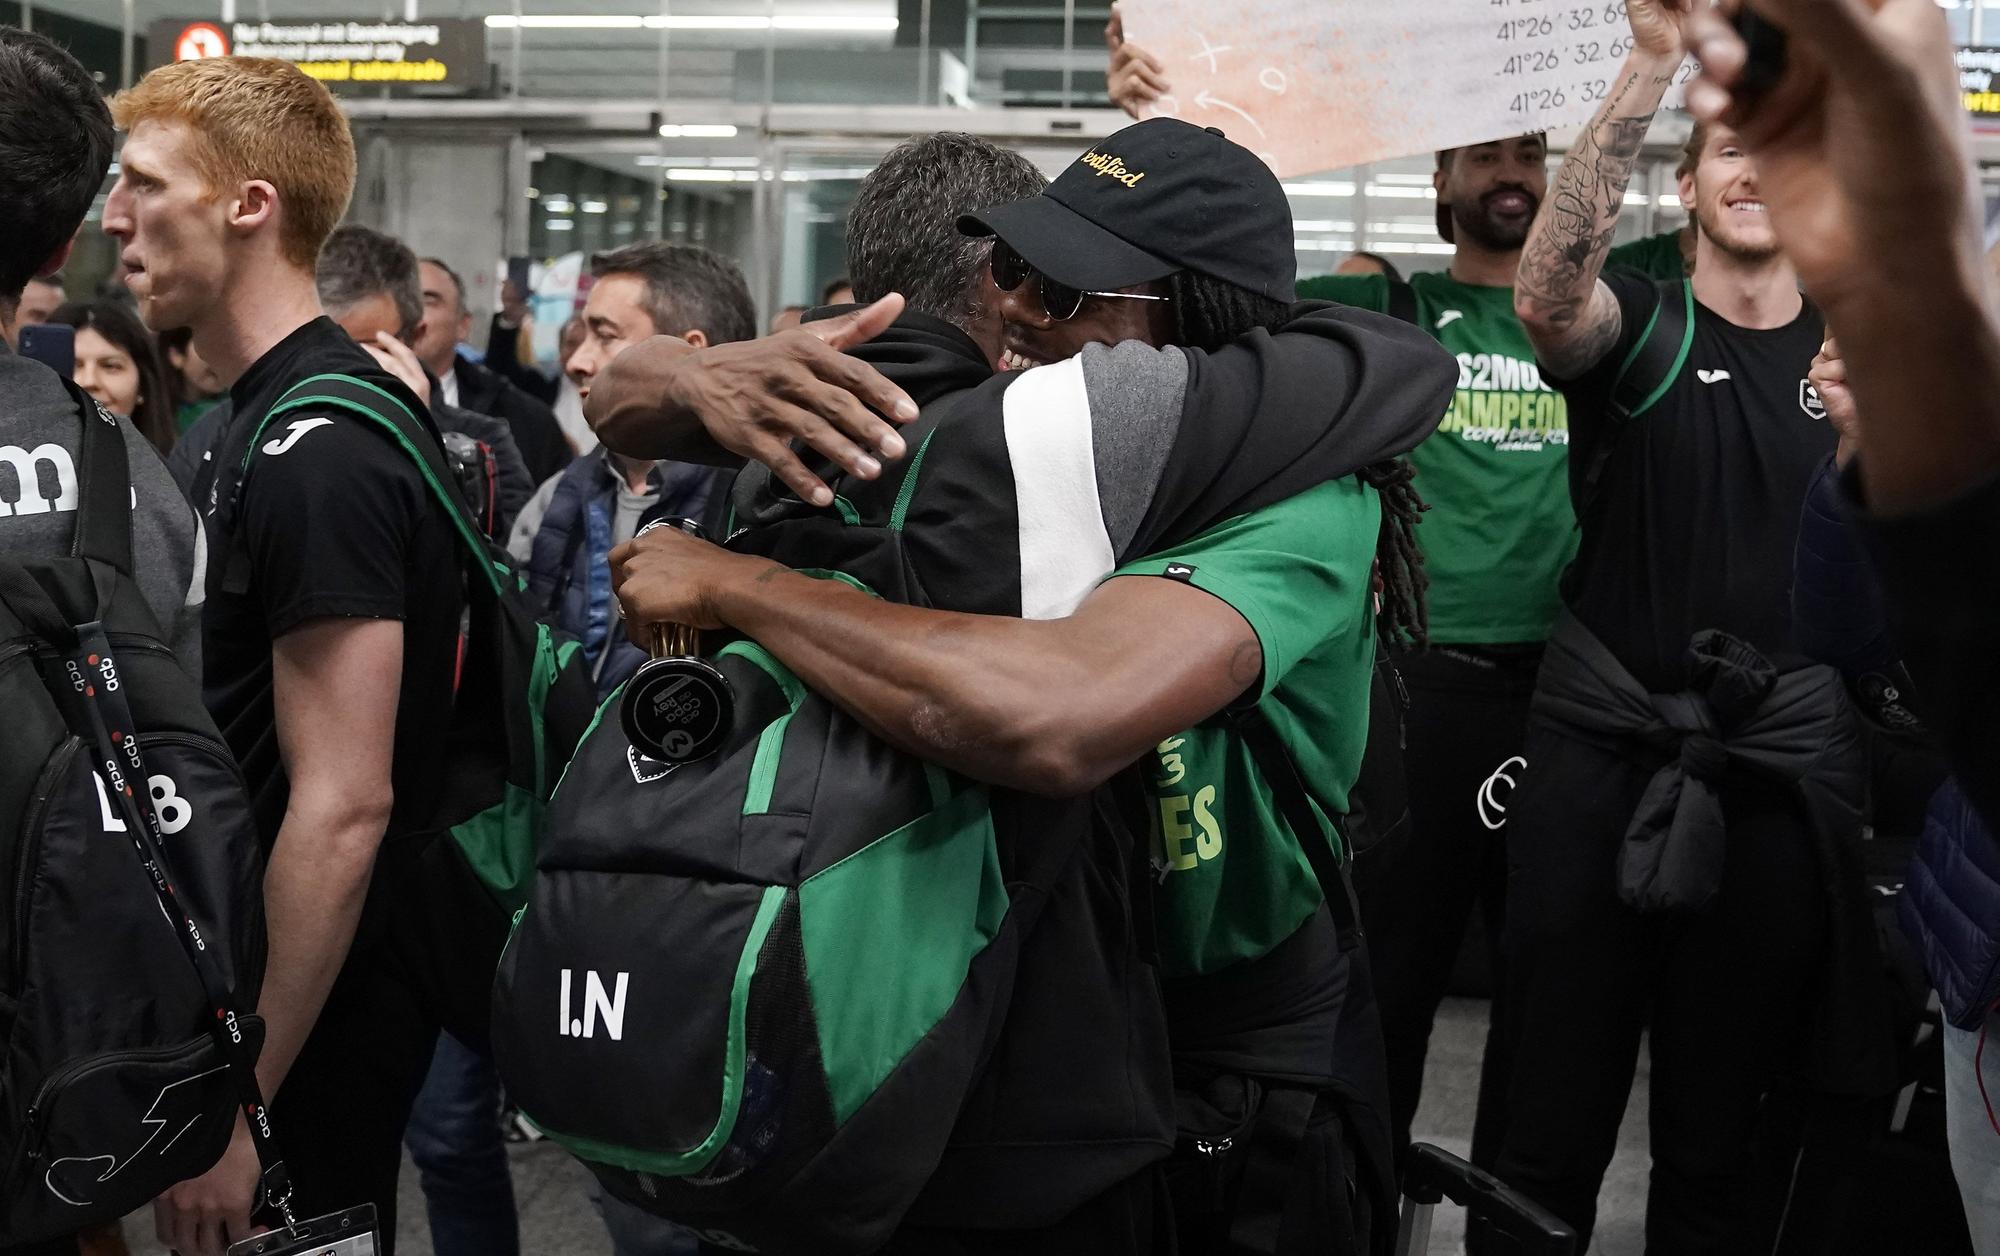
{"points": [[698, 131], [579, 22], [886, 25], [596, 207], [820, 23], [559, 224], [1320, 188]]}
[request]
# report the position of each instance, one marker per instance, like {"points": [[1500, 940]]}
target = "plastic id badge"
{"points": [[349, 1233]]}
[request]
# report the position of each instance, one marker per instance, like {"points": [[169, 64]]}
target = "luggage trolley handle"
{"points": [[1432, 1175]]}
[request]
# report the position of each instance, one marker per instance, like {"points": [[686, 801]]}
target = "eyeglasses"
{"points": [[1062, 302]]}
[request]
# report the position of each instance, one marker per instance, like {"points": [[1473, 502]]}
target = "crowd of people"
{"points": [[1623, 596]]}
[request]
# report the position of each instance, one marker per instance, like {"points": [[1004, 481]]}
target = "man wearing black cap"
{"points": [[1175, 470]]}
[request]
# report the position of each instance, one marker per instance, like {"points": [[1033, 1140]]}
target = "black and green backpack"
{"points": [[523, 696], [812, 988], [753, 993]]}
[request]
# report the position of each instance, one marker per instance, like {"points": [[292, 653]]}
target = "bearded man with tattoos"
{"points": [[1682, 842]]}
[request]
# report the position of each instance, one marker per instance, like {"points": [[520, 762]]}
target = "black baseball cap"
{"points": [[1157, 197]]}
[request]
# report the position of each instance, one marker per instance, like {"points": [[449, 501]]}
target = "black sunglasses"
{"points": [[1011, 270]]}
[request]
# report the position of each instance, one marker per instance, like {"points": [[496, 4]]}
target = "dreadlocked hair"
{"points": [[1405, 621], [1208, 314]]}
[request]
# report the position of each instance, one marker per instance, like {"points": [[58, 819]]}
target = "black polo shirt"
{"points": [[332, 521], [1695, 514]]}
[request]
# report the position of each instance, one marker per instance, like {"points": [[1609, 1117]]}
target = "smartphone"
{"points": [[349, 1233], [51, 344]]}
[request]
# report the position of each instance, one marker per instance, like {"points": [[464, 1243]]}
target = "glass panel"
{"points": [[714, 50], [1958, 13], [815, 190], [1390, 208], [588, 197], [1387, 208], [1016, 51], [584, 203], [816, 186]]}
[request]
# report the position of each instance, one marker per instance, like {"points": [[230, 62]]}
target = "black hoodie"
{"points": [[1032, 486], [1020, 493]]}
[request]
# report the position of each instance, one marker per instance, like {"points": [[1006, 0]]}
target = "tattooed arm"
{"points": [[1049, 706], [1570, 315]]}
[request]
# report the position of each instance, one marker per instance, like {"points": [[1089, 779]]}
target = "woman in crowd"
{"points": [[195, 384], [117, 364]]}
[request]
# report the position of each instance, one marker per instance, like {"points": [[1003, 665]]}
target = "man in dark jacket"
{"points": [[468, 384], [602, 499], [368, 284], [1950, 905], [1034, 487]]}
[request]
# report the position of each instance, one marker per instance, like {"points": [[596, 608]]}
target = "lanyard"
{"points": [[92, 671]]}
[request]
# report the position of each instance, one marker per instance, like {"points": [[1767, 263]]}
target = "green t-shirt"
{"points": [[1656, 256], [1500, 529], [1233, 882], [187, 412]]}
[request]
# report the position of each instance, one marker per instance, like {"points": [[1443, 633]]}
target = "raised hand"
{"points": [[756, 397], [1658, 25], [395, 357], [1829, 380], [1136, 77]]}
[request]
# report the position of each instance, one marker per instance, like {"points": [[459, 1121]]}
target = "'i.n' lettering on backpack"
{"points": [[812, 988]]}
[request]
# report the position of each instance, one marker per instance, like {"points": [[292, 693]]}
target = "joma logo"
{"points": [[595, 1003]]}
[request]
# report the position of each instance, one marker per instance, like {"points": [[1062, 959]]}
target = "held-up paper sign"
{"points": [[1313, 85]]}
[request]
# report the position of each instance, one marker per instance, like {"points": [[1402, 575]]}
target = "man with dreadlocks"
{"points": [[1192, 539]]}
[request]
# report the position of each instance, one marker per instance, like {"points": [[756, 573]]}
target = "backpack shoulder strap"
{"points": [[1402, 303], [408, 433], [1657, 357], [1649, 369], [104, 488], [1289, 791]]}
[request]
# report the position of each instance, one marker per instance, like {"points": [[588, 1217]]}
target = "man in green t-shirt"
{"points": [[1497, 537], [1298, 573]]}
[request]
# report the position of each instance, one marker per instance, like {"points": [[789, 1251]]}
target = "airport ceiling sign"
{"points": [[352, 56]]}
